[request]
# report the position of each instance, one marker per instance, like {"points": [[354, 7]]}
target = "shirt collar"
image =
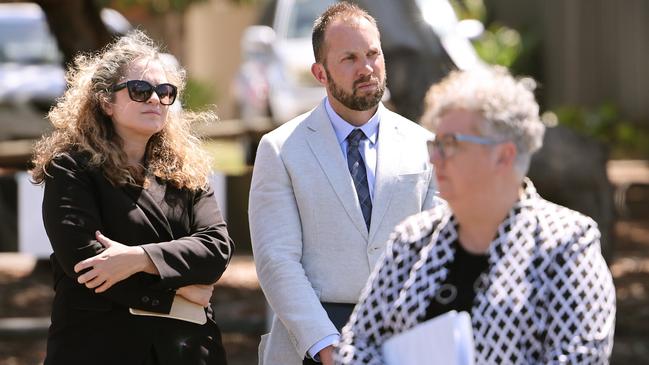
{"points": [[342, 128]]}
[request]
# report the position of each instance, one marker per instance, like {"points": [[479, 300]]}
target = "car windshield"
{"points": [[27, 41], [302, 15]]}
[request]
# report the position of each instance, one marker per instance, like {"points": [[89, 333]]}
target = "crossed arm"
{"points": [[119, 262], [124, 273]]}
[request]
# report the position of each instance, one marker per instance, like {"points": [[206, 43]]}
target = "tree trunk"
{"points": [[76, 25]]}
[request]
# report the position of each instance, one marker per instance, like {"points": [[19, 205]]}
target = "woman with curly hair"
{"points": [[137, 235]]}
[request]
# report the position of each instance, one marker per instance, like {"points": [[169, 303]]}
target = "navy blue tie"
{"points": [[359, 174]]}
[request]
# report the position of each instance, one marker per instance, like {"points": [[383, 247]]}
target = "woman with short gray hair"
{"points": [[529, 272], [507, 105]]}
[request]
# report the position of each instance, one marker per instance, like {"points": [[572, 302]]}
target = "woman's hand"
{"points": [[199, 294], [115, 264]]}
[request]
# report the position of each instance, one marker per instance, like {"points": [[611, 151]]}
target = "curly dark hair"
{"points": [[81, 125]]}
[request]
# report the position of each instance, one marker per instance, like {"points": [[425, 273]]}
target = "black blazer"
{"points": [[182, 231]]}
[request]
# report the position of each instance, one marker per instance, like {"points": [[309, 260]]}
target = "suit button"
{"points": [[145, 299], [155, 302]]}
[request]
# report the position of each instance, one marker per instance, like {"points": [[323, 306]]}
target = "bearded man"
{"points": [[327, 189]]}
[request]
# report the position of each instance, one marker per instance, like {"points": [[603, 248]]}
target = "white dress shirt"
{"points": [[368, 146], [369, 150]]}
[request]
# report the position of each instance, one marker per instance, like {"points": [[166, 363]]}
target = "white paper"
{"points": [[444, 340]]}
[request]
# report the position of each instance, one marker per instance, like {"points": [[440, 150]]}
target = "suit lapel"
{"points": [[324, 145], [387, 164], [156, 217]]}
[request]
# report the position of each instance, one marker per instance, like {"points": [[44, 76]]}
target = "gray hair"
{"points": [[508, 105]]}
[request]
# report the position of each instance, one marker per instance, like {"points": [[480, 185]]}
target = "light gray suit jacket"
{"points": [[309, 239]]}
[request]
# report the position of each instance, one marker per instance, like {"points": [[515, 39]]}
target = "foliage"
{"points": [[228, 156], [153, 6], [198, 95], [498, 44], [160, 6], [519, 50], [470, 9], [604, 123]]}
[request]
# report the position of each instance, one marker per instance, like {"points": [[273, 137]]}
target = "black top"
{"points": [[457, 291], [183, 233]]}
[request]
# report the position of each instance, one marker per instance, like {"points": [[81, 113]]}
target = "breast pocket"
{"points": [[414, 176], [412, 189]]}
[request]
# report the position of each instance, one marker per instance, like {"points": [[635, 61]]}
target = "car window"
{"points": [[27, 41], [303, 14]]}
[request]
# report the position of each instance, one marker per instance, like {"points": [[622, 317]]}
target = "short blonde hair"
{"points": [[81, 125], [508, 105]]}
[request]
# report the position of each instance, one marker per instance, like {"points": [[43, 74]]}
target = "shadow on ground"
{"points": [[240, 307], [26, 291]]}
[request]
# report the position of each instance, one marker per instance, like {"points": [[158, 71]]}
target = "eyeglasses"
{"points": [[446, 145], [141, 91]]}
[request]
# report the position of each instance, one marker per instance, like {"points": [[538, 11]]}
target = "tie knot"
{"points": [[355, 137]]}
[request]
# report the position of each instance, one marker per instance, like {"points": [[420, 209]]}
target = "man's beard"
{"points": [[354, 101]]}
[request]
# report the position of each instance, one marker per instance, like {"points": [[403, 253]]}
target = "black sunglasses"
{"points": [[141, 91]]}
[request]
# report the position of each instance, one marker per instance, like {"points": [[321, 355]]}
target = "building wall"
{"points": [[212, 52], [594, 51]]}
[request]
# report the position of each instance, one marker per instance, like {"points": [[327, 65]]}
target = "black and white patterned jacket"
{"points": [[547, 297]]}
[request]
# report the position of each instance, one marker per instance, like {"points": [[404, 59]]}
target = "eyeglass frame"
{"points": [[120, 86], [433, 144]]}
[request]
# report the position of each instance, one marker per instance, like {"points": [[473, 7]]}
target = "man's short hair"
{"points": [[340, 10]]}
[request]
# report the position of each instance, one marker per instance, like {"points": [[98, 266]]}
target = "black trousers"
{"points": [[190, 347], [152, 359], [339, 315]]}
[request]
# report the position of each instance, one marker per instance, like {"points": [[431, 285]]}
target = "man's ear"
{"points": [[318, 71]]}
